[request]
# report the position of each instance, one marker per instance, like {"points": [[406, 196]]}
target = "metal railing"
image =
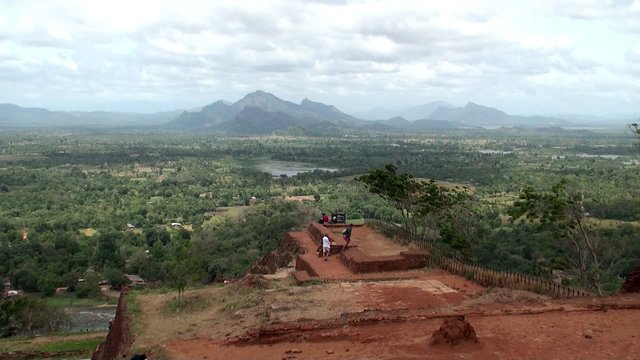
{"points": [[454, 262]]}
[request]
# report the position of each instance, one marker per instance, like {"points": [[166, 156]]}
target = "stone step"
{"points": [[301, 276]]}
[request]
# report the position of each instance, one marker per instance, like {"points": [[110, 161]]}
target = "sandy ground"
{"points": [[554, 335], [373, 326], [233, 309]]}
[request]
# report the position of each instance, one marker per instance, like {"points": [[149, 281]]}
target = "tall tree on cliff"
{"points": [[635, 127], [401, 189], [562, 209], [635, 130], [426, 206]]}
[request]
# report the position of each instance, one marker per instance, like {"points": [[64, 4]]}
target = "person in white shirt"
{"points": [[326, 246]]}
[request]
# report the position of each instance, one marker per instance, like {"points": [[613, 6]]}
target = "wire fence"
{"points": [[455, 263]]}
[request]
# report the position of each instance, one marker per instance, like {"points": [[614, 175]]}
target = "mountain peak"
{"points": [[398, 118], [259, 94], [216, 104], [310, 103], [481, 108], [264, 100], [471, 104]]}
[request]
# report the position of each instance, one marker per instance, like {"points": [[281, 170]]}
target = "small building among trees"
{"points": [[135, 280]]}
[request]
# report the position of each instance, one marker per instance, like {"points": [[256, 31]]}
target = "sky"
{"points": [[523, 57]]}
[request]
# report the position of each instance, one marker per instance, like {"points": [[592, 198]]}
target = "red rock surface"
{"points": [[453, 331]]}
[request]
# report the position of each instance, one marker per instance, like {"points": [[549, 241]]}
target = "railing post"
{"points": [[452, 261]]}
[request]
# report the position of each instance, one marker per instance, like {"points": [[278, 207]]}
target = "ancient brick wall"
{"points": [[301, 264], [415, 259], [358, 262], [119, 338], [317, 231]]}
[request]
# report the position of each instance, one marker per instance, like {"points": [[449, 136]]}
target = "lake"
{"points": [[89, 318], [605, 156], [289, 168], [488, 151]]}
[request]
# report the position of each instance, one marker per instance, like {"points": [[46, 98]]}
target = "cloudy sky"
{"points": [[524, 57]]}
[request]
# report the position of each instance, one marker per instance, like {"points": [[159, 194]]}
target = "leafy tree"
{"points": [[107, 252], [459, 220], [180, 267], [156, 234], [562, 210], [635, 127], [400, 189], [47, 284], [450, 212], [229, 244], [115, 277], [445, 210], [182, 234], [26, 315], [89, 288]]}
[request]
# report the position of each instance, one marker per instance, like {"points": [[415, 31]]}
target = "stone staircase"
{"points": [[351, 263]]}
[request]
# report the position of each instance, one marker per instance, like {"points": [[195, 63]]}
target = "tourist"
{"points": [[346, 235], [326, 246], [325, 218]]}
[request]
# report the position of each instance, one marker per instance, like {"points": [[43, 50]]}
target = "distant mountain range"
{"points": [[412, 113], [483, 116], [261, 113], [16, 116]]}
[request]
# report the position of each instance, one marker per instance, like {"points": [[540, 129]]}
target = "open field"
{"points": [[79, 346]]}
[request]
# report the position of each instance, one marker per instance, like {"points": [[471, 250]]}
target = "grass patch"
{"points": [[312, 282], [67, 300], [360, 221], [237, 299], [88, 231], [609, 223], [53, 344], [188, 305], [135, 312], [84, 344], [133, 306]]}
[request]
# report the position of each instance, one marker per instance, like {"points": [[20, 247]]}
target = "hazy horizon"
{"points": [[565, 57]]}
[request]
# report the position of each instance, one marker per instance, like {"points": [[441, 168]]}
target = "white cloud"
{"points": [[183, 54]]}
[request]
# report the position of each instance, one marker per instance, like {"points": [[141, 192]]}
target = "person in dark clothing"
{"points": [[346, 235]]}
